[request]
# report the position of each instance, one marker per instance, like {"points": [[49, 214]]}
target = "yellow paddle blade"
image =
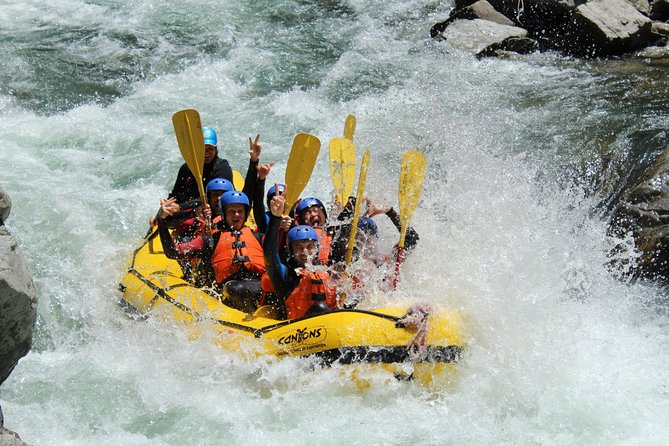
{"points": [[410, 188], [362, 180], [188, 130], [301, 162], [349, 127], [342, 167], [238, 182]]}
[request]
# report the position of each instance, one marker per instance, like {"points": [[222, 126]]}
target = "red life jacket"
{"points": [[234, 249], [313, 286], [324, 242]]}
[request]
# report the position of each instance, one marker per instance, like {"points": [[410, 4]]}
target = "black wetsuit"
{"points": [[185, 187]]}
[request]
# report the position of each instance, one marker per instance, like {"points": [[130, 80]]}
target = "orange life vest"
{"points": [[313, 286], [215, 222], [324, 242], [234, 249]]}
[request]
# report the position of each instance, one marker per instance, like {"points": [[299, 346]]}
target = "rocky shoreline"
{"points": [[595, 28], [18, 301]]}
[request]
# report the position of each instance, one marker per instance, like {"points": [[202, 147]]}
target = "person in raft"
{"points": [[187, 242], [185, 186], [299, 287], [310, 211], [238, 260], [255, 176], [231, 258], [370, 268]]}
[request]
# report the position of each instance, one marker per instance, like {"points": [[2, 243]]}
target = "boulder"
{"points": [[643, 6], [18, 304], [5, 205], [9, 438], [597, 28], [644, 214], [482, 9], [660, 28], [660, 10], [608, 27], [545, 18], [483, 37]]}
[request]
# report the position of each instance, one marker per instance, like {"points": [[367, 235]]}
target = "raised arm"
{"points": [[411, 239], [276, 270]]}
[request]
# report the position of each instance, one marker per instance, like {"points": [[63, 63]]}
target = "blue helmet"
{"points": [[210, 137], [367, 225], [305, 204], [301, 232], [234, 197], [219, 184], [271, 192]]}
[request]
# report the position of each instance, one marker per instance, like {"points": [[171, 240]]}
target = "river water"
{"points": [[513, 221]]}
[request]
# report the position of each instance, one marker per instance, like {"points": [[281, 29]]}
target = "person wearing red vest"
{"points": [[188, 243], [301, 288], [238, 260]]}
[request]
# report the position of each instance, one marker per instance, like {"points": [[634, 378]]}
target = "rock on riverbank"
{"points": [[18, 307], [594, 28]]}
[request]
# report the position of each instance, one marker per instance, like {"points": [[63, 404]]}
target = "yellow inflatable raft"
{"points": [[153, 286]]}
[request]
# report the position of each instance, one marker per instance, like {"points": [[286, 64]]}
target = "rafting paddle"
{"points": [[362, 180], [349, 127], [238, 182], [301, 162], [342, 167], [188, 130], [411, 185]]}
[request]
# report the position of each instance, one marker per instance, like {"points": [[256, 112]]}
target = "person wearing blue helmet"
{"points": [[299, 287], [185, 186], [185, 192], [180, 216], [311, 211], [215, 188], [238, 260], [230, 259]]}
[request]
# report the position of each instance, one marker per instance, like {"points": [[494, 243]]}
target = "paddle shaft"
{"points": [[362, 180], [349, 127], [412, 174]]}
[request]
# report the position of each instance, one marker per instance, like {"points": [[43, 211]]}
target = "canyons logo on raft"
{"points": [[303, 336]]}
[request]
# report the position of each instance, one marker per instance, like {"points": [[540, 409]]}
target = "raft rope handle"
{"points": [[417, 317]]}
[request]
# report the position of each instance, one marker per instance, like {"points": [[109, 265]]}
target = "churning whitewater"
{"points": [[561, 350]]}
